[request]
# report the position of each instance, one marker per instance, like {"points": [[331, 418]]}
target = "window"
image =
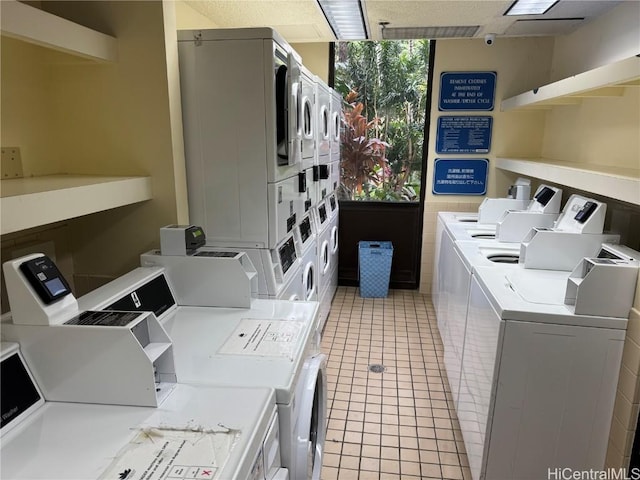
{"points": [[384, 87]]}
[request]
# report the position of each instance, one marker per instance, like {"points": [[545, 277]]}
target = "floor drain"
{"points": [[376, 368]]}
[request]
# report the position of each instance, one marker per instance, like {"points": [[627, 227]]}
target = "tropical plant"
{"points": [[389, 80], [363, 159]]}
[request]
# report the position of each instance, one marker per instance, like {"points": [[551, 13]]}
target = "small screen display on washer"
{"points": [[287, 253], [17, 391], [332, 200], [322, 211], [305, 229], [544, 195], [584, 214], [45, 278]]}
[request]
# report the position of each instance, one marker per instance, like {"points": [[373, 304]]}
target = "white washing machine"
{"points": [[278, 269], [323, 221], [308, 266], [271, 344], [456, 280], [334, 223], [309, 118], [538, 382], [198, 432], [243, 133]]}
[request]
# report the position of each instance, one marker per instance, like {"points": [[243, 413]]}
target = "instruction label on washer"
{"points": [[158, 454], [263, 337]]}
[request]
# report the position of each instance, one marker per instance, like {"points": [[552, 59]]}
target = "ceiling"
{"points": [[301, 21]]}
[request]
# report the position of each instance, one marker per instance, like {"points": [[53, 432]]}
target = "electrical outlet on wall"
{"points": [[11, 164]]}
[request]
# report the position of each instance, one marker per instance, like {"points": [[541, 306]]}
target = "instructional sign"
{"points": [[467, 91], [264, 337], [161, 454], [460, 176], [464, 134]]}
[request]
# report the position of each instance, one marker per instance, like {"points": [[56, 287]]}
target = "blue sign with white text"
{"points": [[470, 134], [467, 91], [460, 176]]}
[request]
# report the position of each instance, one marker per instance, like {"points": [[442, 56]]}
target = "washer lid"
{"points": [[207, 348], [224, 418], [535, 296]]}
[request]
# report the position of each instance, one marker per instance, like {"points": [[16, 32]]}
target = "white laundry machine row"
{"points": [[271, 344], [198, 432], [117, 368], [538, 382], [243, 134]]}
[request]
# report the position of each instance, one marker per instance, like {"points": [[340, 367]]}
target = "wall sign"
{"points": [[460, 176], [467, 91], [464, 134]]}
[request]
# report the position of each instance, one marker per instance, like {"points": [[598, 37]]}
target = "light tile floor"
{"points": [[398, 424]]}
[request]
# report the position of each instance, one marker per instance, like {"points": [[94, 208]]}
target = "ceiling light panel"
{"points": [[531, 7], [345, 18]]}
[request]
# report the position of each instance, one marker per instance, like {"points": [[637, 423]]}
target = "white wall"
{"points": [[122, 118], [315, 56], [521, 64]]}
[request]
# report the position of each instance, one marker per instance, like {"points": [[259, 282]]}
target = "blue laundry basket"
{"points": [[375, 268]]}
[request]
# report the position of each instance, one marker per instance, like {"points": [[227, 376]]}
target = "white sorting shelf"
{"points": [[613, 182], [155, 349], [36, 201], [605, 81], [36, 26]]}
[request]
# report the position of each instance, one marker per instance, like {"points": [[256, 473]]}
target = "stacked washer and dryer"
{"points": [[262, 143]]}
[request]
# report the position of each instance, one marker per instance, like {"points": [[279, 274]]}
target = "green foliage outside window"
{"points": [[384, 85]]}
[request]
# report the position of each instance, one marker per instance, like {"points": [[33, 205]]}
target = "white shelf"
{"points": [[613, 182], [607, 81], [36, 26], [36, 201]]}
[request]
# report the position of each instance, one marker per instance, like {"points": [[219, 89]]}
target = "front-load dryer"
{"points": [[323, 108], [336, 124], [306, 232], [308, 118], [271, 344], [198, 432], [242, 130]]}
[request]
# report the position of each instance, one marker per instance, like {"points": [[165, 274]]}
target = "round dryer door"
{"points": [[325, 256], [312, 422], [336, 127], [309, 281], [334, 239], [307, 116]]}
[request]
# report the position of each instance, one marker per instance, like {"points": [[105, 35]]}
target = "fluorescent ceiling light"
{"points": [[346, 18], [531, 7]]}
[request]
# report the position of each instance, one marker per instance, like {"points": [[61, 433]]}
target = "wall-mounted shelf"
{"points": [[607, 81], [36, 26], [36, 201], [614, 182]]}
